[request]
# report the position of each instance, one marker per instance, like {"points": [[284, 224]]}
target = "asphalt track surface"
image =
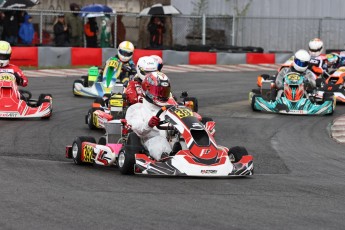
{"points": [[299, 176]]}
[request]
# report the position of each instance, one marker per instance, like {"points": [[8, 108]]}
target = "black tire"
{"points": [[195, 103], [319, 82], [253, 103], [42, 99], [206, 119], [89, 118], [327, 96], [76, 81], [85, 81], [126, 158], [236, 153], [77, 148], [102, 140]]}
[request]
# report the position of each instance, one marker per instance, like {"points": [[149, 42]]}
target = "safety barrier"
{"points": [[60, 57]]}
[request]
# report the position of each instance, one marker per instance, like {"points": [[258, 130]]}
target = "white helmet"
{"points": [[159, 61], [5, 53], [146, 65], [315, 47], [125, 51], [301, 60]]}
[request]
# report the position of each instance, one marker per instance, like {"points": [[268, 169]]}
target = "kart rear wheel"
{"points": [[126, 158], [77, 148], [90, 118], [252, 104], [236, 153], [102, 140]]}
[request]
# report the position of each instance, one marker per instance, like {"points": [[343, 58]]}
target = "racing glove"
{"points": [[154, 121]]}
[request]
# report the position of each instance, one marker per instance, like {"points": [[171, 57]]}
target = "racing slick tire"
{"points": [[76, 81], [236, 153], [126, 158], [195, 103], [100, 101], [77, 148], [90, 117], [102, 140], [329, 96], [252, 103]]}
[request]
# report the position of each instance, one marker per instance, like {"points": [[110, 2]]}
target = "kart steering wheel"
{"points": [[159, 126], [25, 95]]}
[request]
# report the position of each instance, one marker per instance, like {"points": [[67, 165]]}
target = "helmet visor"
{"points": [[5, 57], [125, 53], [162, 93], [301, 63], [315, 50]]}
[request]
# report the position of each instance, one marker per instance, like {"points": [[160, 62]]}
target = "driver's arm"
{"points": [[280, 77], [139, 124]]}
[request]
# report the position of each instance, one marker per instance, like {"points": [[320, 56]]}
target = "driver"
{"points": [[6, 67], [300, 65], [124, 54], [317, 62], [133, 90], [142, 116]]}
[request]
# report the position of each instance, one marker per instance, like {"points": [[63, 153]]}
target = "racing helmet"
{"points": [[5, 53], [159, 61], [125, 51], [156, 88], [146, 65], [315, 47], [332, 59], [301, 60]]}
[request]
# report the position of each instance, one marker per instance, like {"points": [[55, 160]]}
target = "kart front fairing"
{"points": [[304, 106], [203, 157]]}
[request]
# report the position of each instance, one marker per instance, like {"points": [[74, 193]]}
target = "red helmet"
{"points": [[156, 88]]}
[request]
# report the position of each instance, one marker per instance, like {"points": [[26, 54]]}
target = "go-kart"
{"points": [[98, 82], [15, 103], [114, 106], [334, 84], [296, 97], [195, 152]]}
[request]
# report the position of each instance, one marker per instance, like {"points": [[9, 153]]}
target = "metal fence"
{"points": [[272, 34]]}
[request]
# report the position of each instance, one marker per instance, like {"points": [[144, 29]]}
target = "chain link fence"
{"points": [[188, 32]]}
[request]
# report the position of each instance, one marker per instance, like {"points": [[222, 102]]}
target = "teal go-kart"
{"points": [[96, 83], [295, 98]]}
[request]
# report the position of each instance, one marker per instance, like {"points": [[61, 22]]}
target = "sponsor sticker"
{"points": [[88, 154], [208, 171], [9, 114]]}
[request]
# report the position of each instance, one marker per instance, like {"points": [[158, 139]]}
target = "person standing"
{"points": [[11, 27], [61, 32], [157, 29], [91, 31], [105, 33], [26, 30], [75, 26]]}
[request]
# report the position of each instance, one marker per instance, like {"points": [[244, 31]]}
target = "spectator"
{"points": [[61, 31], [157, 29], [11, 28], [26, 30], [105, 32], [121, 30], [91, 31], [75, 26]]}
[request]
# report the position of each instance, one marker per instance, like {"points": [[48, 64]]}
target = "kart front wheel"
{"points": [[126, 162], [236, 153], [252, 103], [77, 148]]}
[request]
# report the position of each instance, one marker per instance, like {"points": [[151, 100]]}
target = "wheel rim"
{"points": [[121, 159], [75, 151], [232, 158]]}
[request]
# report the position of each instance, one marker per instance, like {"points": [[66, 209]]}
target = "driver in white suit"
{"points": [[142, 116]]}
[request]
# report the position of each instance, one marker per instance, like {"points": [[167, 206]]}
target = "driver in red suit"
{"points": [[6, 67]]}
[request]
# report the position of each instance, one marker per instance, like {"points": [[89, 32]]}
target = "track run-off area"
{"points": [[299, 176]]}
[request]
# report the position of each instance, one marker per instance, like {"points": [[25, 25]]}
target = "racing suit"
{"points": [[308, 74], [138, 116], [128, 69], [20, 77], [133, 91]]}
